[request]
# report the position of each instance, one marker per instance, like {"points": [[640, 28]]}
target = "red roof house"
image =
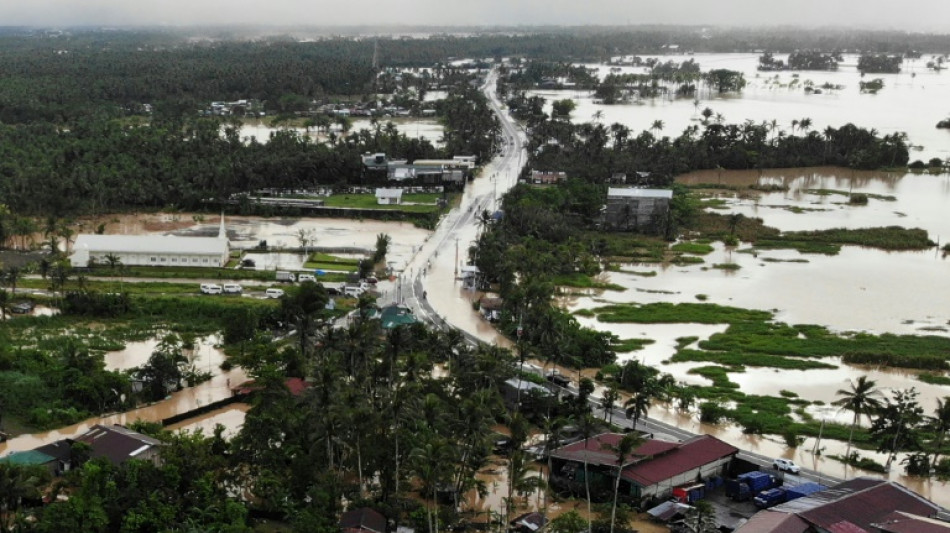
{"points": [[653, 469]]}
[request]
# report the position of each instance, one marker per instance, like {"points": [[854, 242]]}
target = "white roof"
{"points": [[388, 193], [159, 244], [633, 192]]}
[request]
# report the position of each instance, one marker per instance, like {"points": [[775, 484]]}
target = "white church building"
{"points": [[154, 250]]}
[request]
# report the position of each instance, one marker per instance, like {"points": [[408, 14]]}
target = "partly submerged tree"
{"points": [[862, 399]]}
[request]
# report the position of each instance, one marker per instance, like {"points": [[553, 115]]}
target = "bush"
{"points": [[711, 412], [858, 199]]}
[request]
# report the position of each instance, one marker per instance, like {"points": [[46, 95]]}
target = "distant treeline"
{"points": [[64, 77]]}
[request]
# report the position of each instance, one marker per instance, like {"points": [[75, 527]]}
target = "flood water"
{"points": [[860, 289], [912, 101], [246, 232], [188, 399]]}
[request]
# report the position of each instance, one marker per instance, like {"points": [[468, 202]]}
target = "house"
{"points": [[543, 177], [859, 505], [901, 522], [394, 315], [516, 391], [57, 457], [651, 471], [635, 209], [490, 308], [296, 387], [529, 523], [388, 196], [377, 161], [119, 444], [152, 250], [469, 275], [363, 520]]}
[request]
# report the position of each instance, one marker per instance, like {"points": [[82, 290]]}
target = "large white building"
{"points": [[155, 250]]}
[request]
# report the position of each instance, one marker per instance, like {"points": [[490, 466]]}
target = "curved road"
{"points": [[433, 270]]}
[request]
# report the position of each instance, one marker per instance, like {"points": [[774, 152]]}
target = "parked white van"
{"points": [[273, 293], [210, 288], [305, 277], [353, 291], [233, 288]]}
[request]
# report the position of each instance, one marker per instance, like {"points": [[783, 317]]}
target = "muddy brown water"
{"points": [[910, 102]]}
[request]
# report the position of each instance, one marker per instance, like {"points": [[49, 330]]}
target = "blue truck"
{"points": [[772, 497], [745, 486]]}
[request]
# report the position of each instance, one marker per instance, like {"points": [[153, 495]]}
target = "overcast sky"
{"points": [[923, 15]]}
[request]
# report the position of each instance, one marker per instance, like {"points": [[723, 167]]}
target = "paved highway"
{"points": [[430, 274]]}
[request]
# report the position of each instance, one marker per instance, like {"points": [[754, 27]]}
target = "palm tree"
{"points": [[608, 402], [861, 399], [623, 449], [941, 424], [587, 426], [637, 406], [598, 115], [11, 276], [657, 126]]}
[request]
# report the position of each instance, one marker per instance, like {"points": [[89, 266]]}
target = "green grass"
{"points": [[934, 379], [738, 359], [368, 201], [668, 313], [178, 272], [583, 281], [630, 345], [726, 266], [892, 238], [692, 248], [718, 375], [816, 341], [686, 260], [335, 267], [682, 342], [830, 192]]}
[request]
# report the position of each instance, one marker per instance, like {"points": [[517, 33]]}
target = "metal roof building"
{"points": [[154, 250]]}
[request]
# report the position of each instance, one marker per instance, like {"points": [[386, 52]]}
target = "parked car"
{"points": [[306, 277], [785, 465], [22, 308], [211, 288], [248, 263], [371, 280], [233, 288], [274, 293]]}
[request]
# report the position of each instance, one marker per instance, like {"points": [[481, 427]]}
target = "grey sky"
{"points": [[921, 15]]}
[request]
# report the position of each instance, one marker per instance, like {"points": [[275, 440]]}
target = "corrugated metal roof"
{"points": [[694, 453], [145, 244], [116, 443], [598, 450], [899, 522], [867, 506], [773, 522], [363, 519], [636, 192], [27, 458]]}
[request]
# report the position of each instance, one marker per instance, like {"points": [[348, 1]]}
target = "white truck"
{"points": [[286, 277]]}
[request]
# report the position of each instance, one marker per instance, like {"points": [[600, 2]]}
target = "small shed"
{"points": [[388, 196], [529, 523], [363, 520], [490, 308]]}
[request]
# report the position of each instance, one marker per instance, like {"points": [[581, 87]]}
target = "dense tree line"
{"points": [[596, 152], [65, 77], [101, 166]]}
